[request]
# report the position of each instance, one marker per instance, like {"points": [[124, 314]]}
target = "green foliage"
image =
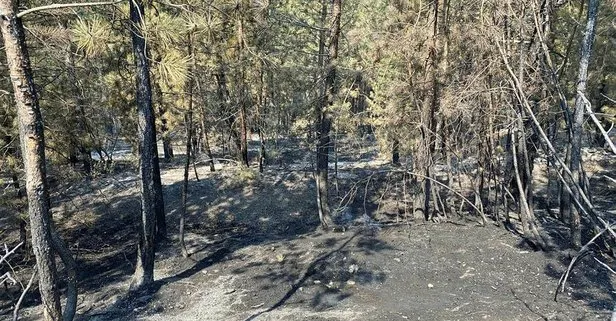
{"points": [[242, 177], [91, 36], [272, 64]]}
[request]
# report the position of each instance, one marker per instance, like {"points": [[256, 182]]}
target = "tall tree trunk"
{"points": [[578, 116], [188, 121], [144, 270], [259, 117], [32, 139], [206, 139], [325, 117], [159, 200], [164, 129], [243, 93], [395, 152], [78, 114], [224, 101], [429, 122]]}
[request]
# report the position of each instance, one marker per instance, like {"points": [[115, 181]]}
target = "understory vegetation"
{"points": [[163, 129]]}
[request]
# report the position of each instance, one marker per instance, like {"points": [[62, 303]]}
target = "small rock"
{"points": [[353, 268], [317, 282], [158, 309], [430, 285], [397, 259], [350, 282]]}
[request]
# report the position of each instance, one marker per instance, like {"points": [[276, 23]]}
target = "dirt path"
{"points": [[424, 272]]}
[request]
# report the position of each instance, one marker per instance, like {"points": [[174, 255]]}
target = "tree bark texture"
{"points": [[188, 119], [578, 116], [32, 140], [144, 270], [325, 116]]}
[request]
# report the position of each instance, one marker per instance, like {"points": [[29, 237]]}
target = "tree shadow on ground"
{"points": [[310, 271], [589, 281], [225, 214]]}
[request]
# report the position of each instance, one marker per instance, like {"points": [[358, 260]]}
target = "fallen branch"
{"points": [[583, 252], [23, 295]]}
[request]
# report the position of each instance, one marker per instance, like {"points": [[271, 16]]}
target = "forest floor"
{"points": [[257, 254]]}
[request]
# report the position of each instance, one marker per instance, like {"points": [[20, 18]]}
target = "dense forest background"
{"points": [[478, 111]]}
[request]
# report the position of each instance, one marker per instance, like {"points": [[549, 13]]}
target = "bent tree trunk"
{"points": [[144, 270], [33, 153], [325, 117]]}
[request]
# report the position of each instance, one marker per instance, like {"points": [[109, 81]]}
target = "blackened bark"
{"points": [[428, 118], [224, 101], [243, 96], [159, 201], [206, 139], [144, 271], [325, 117], [189, 131], [188, 121], [164, 128], [78, 114], [259, 118], [395, 152], [578, 117], [33, 153]]}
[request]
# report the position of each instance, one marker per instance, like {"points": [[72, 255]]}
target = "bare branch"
{"points": [[605, 265], [597, 122], [8, 253], [23, 295], [585, 250], [67, 5], [7, 278]]}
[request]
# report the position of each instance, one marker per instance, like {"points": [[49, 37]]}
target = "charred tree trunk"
{"points": [[578, 117], [144, 270], [243, 99], [429, 122], [189, 131], [260, 121], [164, 129], [188, 120], [395, 152], [79, 115], [159, 201], [32, 139], [224, 101], [324, 119], [157, 94], [206, 140]]}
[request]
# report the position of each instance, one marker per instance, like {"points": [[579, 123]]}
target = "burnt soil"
{"points": [[257, 253]]}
